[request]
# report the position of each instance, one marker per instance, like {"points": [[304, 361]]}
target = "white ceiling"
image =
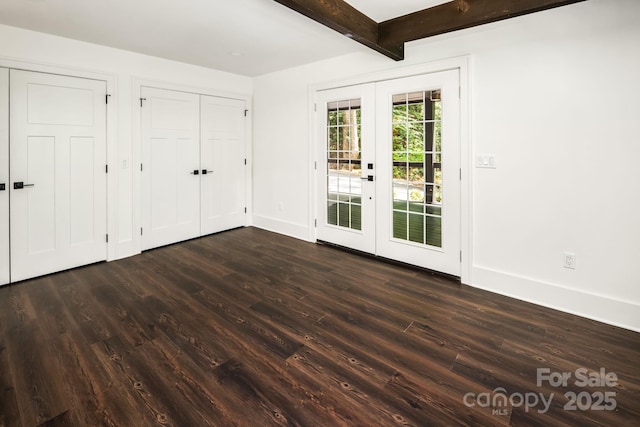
{"points": [[382, 10], [249, 37]]}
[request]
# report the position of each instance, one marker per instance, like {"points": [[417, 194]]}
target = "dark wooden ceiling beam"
{"points": [[347, 20], [457, 15]]}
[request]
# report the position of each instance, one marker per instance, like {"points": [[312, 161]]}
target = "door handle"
{"points": [[367, 178], [20, 185], [204, 171], [195, 172]]}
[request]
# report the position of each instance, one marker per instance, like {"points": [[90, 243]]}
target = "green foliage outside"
{"points": [[406, 225], [417, 148]]}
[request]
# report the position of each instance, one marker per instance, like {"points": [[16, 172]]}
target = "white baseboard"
{"points": [[282, 227], [601, 308]]}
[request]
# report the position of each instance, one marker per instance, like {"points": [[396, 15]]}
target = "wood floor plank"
{"points": [[37, 379], [248, 328], [9, 411]]}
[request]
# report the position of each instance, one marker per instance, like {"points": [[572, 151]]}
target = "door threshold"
{"points": [[390, 261]]}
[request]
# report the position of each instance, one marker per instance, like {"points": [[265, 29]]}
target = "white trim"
{"points": [[466, 165], [298, 231], [5, 251], [112, 131], [313, 163], [136, 145], [179, 87], [601, 308], [462, 64]]}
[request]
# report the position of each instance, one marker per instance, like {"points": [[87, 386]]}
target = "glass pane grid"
{"points": [[417, 167], [344, 153]]}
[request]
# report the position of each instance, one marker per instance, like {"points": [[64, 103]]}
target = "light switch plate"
{"points": [[487, 161]]}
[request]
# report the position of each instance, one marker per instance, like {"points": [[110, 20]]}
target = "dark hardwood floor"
{"points": [[251, 328]]}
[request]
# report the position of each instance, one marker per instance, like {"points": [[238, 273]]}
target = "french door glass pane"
{"points": [[344, 164], [417, 167]]}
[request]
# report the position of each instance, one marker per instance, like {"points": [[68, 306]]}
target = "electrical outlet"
{"points": [[569, 260]]}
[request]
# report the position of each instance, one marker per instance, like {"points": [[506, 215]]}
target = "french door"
{"points": [[58, 182], [346, 161], [418, 187], [390, 170]]}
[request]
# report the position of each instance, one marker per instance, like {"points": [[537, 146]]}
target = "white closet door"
{"points": [[4, 176], [58, 178], [171, 167], [223, 156]]}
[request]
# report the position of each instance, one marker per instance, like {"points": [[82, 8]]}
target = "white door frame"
{"points": [[136, 146], [112, 128], [4, 177], [460, 63]]}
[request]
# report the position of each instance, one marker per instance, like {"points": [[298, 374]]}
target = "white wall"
{"points": [[556, 97], [39, 49]]}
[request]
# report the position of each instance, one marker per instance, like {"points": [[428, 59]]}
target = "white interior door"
{"points": [[171, 167], [346, 152], [4, 176], [222, 164], [58, 178], [418, 154]]}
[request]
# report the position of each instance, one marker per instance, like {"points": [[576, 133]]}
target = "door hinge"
{"points": [[245, 162], [460, 174], [315, 108], [245, 210], [315, 165], [141, 231], [140, 167], [106, 98], [315, 223], [107, 238], [141, 100], [460, 256], [106, 168], [246, 112]]}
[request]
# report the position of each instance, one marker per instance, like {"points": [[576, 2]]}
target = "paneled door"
{"points": [[4, 176], [58, 179], [170, 167], [418, 187], [222, 164], [346, 152]]}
